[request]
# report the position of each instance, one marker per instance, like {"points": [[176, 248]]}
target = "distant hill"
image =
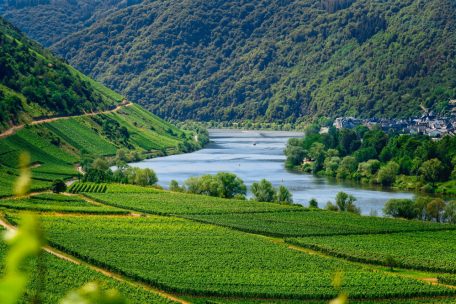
{"points": [[272, 60]]}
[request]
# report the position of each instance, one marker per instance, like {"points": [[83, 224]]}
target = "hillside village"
{"points": [[429, 123]]}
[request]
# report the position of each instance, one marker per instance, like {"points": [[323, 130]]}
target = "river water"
{"points": [[254, 155]]}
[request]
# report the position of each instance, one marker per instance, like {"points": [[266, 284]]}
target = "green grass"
{"points": [[165, 202], [430, 251], [60, 277], [315, 223], [78, 133], [199, 259], [58, 203]]}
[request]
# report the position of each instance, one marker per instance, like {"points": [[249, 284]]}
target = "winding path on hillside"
{"points": [[14, 129]]}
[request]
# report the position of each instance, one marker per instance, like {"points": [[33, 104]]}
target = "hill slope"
{"points": [[272, 59], [35, 84]]}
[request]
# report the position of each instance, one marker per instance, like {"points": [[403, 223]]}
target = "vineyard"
{"points": [[314, 223], [164, 202], [87, 188], [62, 276], [145, 135], [199, 259], [78, 133], [431, 251], [58, 203]]}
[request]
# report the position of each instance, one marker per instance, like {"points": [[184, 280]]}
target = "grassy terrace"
{"points": [[200, 259], [166, 203], [432, 251], [58, 203], [314, 223]]}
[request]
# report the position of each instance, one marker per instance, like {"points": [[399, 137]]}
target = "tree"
{"points": [[230, 185], [263, 191], [435, 209], [402, 208], [331, 165], [145, 177], [317, 154], [295, 155], [449, 214], [100, 164], [421, 207], [174, 186], [346, 203], [313, 203], [284, 195], [387, 174], [205, 185], [347, 167], [430, 170], [58, 186], [142, 177]]}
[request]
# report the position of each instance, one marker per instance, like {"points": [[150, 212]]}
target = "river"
{"points": [[254, 155]]}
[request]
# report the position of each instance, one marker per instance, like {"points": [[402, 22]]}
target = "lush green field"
{"points": [[165, 202], [58, 203], [314, 223], [201, 259], [61, 276], [432, 250]]}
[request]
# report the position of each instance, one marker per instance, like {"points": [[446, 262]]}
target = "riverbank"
{"points": [[402, 183], [254, 155]]}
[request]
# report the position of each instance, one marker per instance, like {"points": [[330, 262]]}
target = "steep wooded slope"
{"points": [[274, 60]]}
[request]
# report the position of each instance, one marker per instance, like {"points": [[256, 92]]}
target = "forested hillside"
{"points": [[271, 59], [40, 18], [61, 117], [34, 83]]}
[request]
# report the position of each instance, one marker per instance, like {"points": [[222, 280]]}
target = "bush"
{"points": [[58, 186], [403, 208]]}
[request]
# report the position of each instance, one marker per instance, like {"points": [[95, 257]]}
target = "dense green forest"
{"points": [[270, 60], [40, 18], [372, 156], [34, 83]]}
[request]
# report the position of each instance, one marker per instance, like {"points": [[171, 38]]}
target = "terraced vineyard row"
{"points": [[58, 203], [201, 259], [314, 223], [165, 202], [78, 133], [432, 250], [87, 188]]}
